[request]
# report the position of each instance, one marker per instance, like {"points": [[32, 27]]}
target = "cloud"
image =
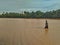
{"points": [[17, 5], [46, 0]]}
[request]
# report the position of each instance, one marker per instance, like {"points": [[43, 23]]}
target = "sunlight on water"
{"points": [[29, 32]]}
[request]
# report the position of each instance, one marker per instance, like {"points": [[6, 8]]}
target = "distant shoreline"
{"points": [[55, 14], [33, 18]]}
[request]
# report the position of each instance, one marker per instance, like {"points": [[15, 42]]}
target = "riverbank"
{"points": [[32, 18]]}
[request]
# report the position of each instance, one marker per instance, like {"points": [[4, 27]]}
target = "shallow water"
{"points": [[29, 32]]}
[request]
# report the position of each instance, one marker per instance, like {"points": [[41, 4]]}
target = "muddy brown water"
{"points": [[29, 32]]}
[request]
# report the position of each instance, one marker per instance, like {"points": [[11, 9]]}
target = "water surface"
{"points": [[29, 32]]}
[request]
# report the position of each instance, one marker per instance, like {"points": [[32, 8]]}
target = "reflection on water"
{"points": [[46, 31], [29, 32]]}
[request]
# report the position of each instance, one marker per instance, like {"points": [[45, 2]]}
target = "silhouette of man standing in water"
{"points": [[46, 25]]}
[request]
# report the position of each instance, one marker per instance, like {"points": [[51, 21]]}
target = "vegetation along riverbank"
{"points": [[37, 14]]}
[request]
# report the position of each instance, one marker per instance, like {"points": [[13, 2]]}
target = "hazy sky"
{"points": [[20, 5]]}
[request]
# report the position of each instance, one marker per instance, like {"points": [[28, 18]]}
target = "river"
{"points": [[15, 31]]}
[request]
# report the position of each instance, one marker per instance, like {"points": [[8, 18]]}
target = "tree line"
{"points": [[36, 14]]}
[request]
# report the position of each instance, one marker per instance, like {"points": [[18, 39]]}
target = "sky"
{"points": [[28, 5]]}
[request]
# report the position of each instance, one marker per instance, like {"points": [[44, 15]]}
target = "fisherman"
{"points": [[46, 25]]}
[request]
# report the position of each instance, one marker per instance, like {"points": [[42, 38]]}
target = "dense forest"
{"points": [[36, 14]]}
